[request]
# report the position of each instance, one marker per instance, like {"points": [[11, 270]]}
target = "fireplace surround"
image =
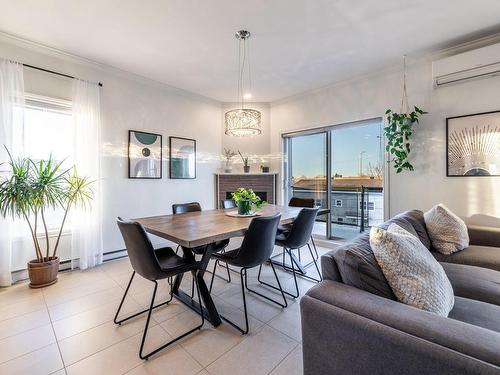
{"points": [[263, 184]]}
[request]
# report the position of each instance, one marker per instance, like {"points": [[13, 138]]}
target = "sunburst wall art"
{"points": [[473, 145]]}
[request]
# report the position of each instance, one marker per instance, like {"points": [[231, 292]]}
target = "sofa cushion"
{"points": [[446, 230], [358, 267], [477, 313], [356, 262], [479, 256], [415, 218], [415, 277]]}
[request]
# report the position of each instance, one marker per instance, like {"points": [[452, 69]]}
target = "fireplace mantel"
{"points": [[226, 183]]}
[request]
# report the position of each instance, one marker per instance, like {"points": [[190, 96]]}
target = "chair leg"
{"points": [[146, 356], [315, 263], [243, 331], [119, 322], [213, 275], [285, 250], [314, 246], [285, 303]]}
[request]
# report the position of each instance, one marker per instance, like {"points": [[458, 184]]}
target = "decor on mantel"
{"points": [[182, 158], [246, 167], [144, 155], [243, 122], [264, 169], [473, 145], [399, 130], [246, 199], [228, 155], [32, 188]]}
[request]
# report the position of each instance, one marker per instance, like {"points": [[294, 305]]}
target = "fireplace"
{"points": [[263, 184]]}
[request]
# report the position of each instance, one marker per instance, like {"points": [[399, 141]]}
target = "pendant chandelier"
{"points": [[243, 122]]}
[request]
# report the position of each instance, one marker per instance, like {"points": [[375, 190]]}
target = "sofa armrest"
{"points": [[329, 269], [484, 236], [347, 330]]}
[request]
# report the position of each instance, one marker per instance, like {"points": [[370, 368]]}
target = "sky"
{"points": [[308, 152]]}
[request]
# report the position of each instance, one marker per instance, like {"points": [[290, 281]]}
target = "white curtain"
{"points": [[11, 96], [86, 242]]}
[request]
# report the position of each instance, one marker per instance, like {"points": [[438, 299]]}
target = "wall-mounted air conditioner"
{"points": [[478, 63]]}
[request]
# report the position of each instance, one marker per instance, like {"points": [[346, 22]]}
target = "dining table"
{"points": [[201, 230]]}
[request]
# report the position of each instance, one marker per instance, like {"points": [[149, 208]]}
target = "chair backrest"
{"points": [[139, 248], [182, 208], [301, 202], [302, 228], [228, 203], [258, 243]]}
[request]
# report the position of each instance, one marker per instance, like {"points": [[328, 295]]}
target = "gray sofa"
{"points": [[352, 323]]}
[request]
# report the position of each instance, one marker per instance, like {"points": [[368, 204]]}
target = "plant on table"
{"points": [[246, 199], [28, 192]]}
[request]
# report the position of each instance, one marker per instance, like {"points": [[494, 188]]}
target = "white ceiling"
{"points": [[297, 45]]}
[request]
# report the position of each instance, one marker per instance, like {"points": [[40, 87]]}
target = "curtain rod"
{"points": [[53, 72]]}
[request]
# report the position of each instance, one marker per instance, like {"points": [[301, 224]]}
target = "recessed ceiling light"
{"points": [[247, 96]]}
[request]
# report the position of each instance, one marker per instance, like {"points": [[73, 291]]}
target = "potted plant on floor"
{"points": [[33, 188], [246, 199]]}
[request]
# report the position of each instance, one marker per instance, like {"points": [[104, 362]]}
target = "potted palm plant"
{"points": [[245, 199], [246, 167], [31, 189]]}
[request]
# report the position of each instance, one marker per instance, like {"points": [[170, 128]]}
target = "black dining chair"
{"points": [[256, 248], [182, 208], [297, 237], [305, 203], [153, 265], [228, 203]]}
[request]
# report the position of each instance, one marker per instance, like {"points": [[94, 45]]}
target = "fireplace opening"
{"points": [[261, 194]]}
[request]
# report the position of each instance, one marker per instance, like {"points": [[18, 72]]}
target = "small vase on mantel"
{"points": [[246, 168]]}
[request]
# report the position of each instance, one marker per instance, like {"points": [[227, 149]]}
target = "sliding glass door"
{"points": [[307, 155], [341, 167]]}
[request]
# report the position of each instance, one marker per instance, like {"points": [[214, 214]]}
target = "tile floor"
{"points": [[68, 328]]}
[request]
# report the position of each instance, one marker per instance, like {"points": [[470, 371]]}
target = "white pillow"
{"points": [[448, 233], [414, 275]]}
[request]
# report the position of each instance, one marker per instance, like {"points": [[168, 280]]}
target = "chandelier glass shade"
{"points": [[243, 122]]}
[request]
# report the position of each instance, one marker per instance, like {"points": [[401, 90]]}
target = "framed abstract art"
{"points": [[144, 155], [473, 145], [182, 158]]}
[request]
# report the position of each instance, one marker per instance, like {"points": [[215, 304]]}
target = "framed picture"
{"points": [[144, 155], [182, 157], [473, 145]]}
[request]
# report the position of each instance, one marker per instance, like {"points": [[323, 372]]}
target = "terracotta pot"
{"points": [[43, 273]]}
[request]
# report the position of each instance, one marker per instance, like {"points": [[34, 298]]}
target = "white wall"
{"points": [[369, 97], [257, 148], [131, 102]]}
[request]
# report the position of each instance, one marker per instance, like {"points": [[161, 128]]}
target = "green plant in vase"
{"points": [[246, 199]]}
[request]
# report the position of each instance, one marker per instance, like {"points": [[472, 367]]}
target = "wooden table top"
{"points": [[201, 228]]}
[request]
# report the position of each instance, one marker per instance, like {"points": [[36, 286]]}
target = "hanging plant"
{"points": [[399, 130]]}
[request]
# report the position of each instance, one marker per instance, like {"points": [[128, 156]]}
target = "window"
{"points": [[47, 130], [338, 202], [371, 205]]}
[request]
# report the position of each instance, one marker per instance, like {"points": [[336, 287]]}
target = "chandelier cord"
{"points": [[242, 75]]}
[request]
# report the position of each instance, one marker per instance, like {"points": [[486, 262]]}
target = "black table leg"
{"points": [[209, 311]]}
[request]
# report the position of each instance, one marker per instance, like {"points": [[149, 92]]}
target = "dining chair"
{"points": [[297, 237], [256, 248], [182, 208], [228, 203], [305, 203], [153, 265]]}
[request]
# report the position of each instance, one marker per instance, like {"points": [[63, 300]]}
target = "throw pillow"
{"points": [[447, 231], [416, 278]]}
